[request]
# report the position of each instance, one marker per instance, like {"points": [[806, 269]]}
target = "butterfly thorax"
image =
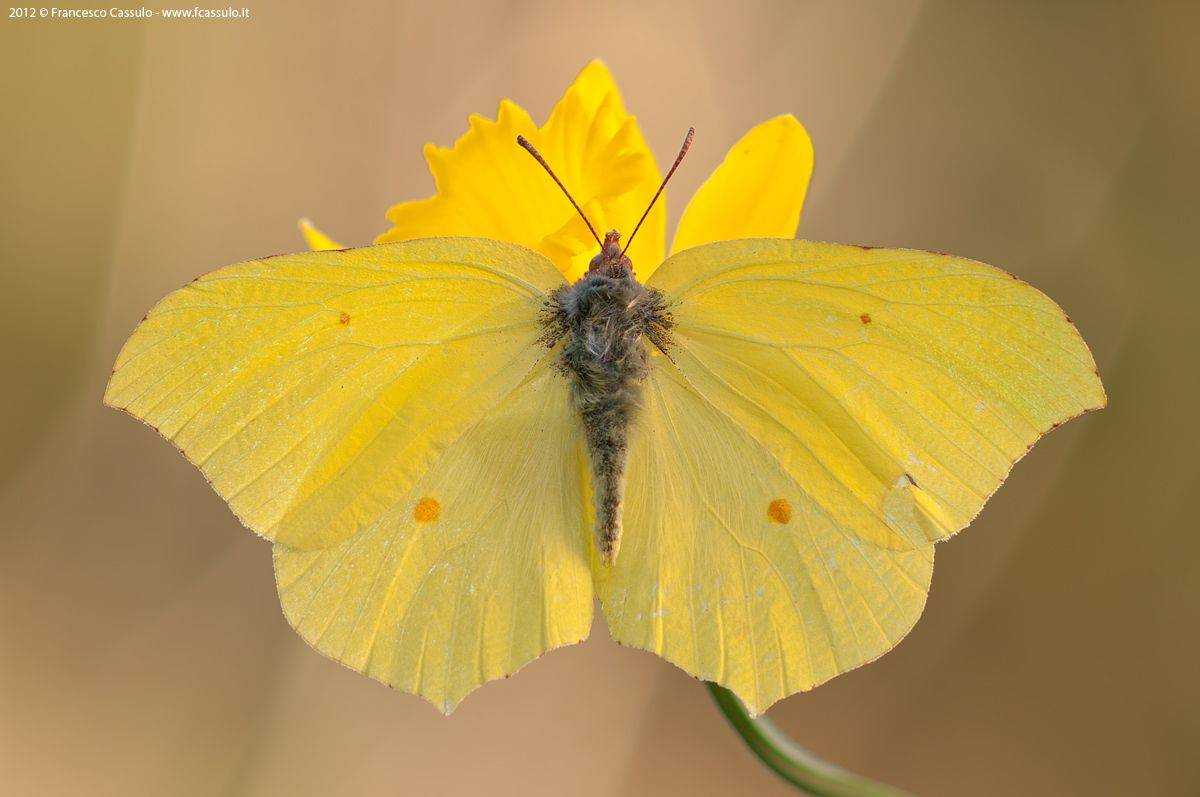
{"points": [[604, 321]]}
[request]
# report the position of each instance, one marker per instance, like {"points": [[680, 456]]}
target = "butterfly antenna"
{"points": [[537, 156], [687, 144]]}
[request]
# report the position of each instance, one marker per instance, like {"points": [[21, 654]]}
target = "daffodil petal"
{"points": [[487, 186], [601, 147], [317, 241], [756, 192]]}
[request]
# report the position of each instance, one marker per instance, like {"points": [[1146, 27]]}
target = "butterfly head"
{"points": [[611, 260]]}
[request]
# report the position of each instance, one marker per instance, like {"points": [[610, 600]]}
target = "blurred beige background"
{"points": [[142, 650]]}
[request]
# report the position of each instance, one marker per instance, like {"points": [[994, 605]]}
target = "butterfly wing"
{"points": [[480, 569], [389, 418], [311, 389], [898, 387], [830, 412], [732, 573]]}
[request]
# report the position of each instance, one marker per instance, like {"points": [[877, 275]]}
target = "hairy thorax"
{"points": [[606, 321]]}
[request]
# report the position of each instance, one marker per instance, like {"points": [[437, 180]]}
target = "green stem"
{"points": [[790, 761]]}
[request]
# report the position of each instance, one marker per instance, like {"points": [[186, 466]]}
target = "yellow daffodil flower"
{"points": [[488, 187]]}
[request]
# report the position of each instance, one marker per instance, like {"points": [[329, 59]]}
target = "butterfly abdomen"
{"points": [[604, 320]]}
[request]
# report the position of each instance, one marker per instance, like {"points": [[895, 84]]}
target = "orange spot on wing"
{"points": [[866, 319], [427, 510], [779, 511], [344, 318]]}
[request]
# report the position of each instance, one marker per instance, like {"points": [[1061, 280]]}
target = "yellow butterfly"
{"points": [[455, 443]]}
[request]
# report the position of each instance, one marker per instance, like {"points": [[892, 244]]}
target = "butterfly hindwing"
{"points": [[481, 568], [730, 571]]}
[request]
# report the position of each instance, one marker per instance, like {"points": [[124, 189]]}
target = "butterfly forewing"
{"points": [[897, 387], [311, 389]]}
